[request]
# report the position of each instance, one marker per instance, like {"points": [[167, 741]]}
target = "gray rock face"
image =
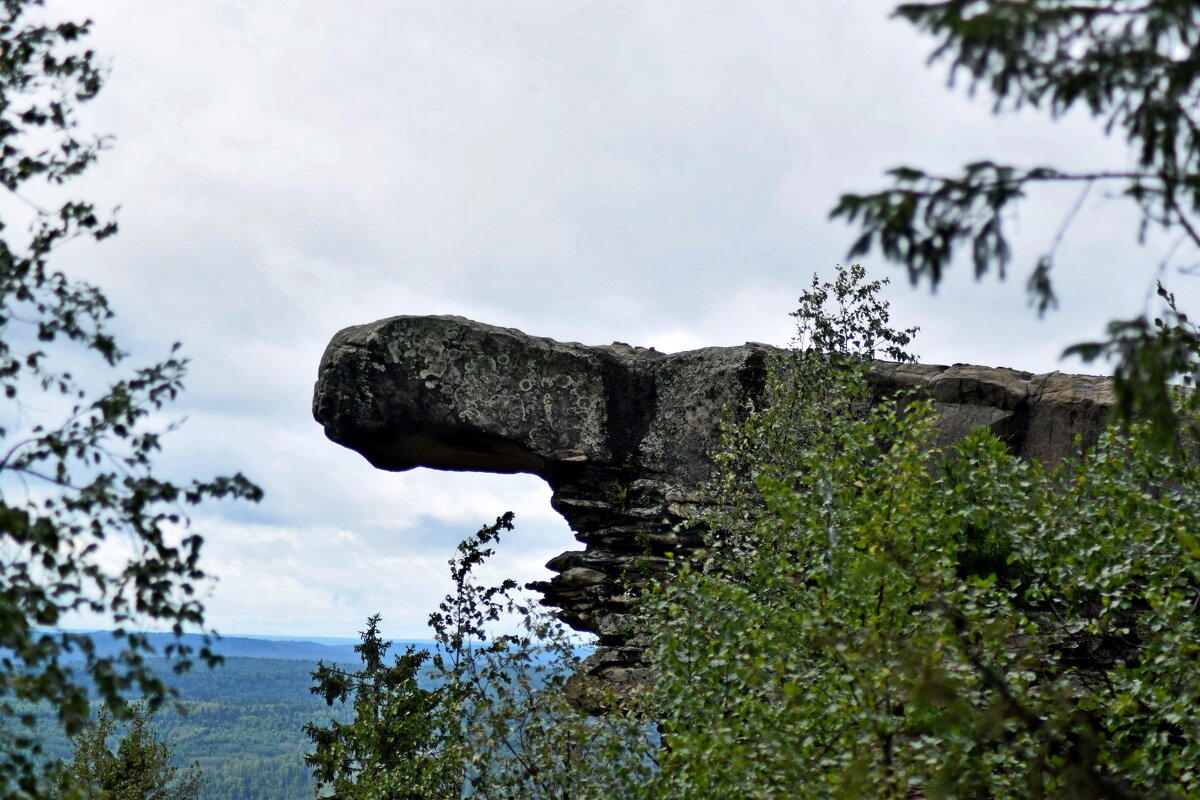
{"points": [[622, 434]]}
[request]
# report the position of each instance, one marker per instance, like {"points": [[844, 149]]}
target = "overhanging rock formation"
{"points": [[622, 434]]}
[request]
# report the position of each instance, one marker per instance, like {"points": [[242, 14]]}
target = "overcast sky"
{"points": [[658, 173]]}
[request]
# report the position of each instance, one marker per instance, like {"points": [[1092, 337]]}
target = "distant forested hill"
{"points": [[244, 718]]}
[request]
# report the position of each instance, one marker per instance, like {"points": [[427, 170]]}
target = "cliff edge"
{"points": [[622, 434]]}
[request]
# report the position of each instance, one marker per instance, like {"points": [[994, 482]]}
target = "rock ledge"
{"points": [[622, 434]]}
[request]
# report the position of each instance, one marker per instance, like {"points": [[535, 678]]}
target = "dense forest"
{"points": [[242, 723]]}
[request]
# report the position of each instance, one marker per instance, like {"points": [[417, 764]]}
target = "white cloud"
{"points": [[652, 172]]}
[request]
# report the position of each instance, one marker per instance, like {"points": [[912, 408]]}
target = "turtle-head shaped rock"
{"points": [[448, 393], [624, 434]]}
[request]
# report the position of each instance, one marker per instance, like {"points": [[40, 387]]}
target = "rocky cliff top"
{"points": [[622, 434]]}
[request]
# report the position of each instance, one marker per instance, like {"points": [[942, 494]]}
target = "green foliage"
{"points": [[76, 465], [1133, 67], [241, 722], [139, 769], [841, 327], [518, 697], [890, 622], [500, 722], [1151, 356], [398, 744]]}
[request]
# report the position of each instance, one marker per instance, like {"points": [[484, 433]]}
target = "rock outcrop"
{"points": [[622, 434]]}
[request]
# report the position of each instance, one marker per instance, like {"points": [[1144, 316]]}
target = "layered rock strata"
{"points": [[623, 434]]}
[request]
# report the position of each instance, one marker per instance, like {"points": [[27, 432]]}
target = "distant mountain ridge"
{"points": [[325, 649]]}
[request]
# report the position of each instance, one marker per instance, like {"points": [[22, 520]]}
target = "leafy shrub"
{"points": [[883, 621], [498, 722]]}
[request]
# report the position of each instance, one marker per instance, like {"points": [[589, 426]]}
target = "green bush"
{"points": [[879, 619], [497, 722]]}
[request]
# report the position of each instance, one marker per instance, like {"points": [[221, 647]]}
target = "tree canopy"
{"points": [[139, 768], [78, 439], [877, 617], [1135, 68], [396, 745]]}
